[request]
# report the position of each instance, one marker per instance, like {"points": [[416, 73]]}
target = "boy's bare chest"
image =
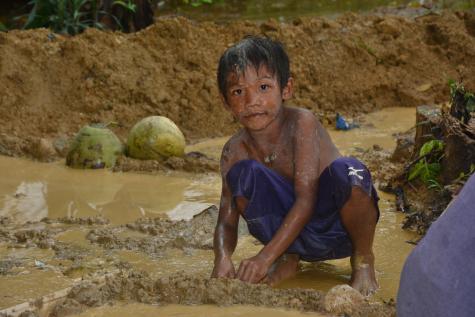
{"points": [[278, 157]]}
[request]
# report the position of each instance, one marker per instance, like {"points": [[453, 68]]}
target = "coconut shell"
{"points": [[94, 147], [155, 138]]}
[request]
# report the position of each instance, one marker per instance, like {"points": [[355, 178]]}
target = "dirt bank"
{"points": [[52, 85]]}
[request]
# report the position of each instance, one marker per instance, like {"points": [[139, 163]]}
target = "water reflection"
{"points": [[27, 203], [30, 191]]}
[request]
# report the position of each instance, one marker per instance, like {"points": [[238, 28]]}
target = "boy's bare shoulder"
{"points": [[233, 151], [302, 116]]}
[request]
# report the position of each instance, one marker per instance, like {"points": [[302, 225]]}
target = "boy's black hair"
{"points": [[254, 51]]}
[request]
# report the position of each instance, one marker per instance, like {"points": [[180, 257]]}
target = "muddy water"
{"points": [[191, 311], [30, 191]]}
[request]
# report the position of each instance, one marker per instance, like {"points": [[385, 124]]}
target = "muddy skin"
{"points": [[285, 267]]}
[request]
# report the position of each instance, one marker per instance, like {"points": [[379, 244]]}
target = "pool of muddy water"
{"points": [[30, 191]]}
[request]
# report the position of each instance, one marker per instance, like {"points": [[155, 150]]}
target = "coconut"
{"points": [[155, 138], [94, 147]]}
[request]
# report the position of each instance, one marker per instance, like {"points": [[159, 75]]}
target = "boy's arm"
{"points": [[225, 234], [306, 156]]}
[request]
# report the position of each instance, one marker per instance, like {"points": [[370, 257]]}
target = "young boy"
{"points": [[286, 178]]}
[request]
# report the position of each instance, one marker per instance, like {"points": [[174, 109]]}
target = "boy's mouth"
{"points": [[254, 114]]}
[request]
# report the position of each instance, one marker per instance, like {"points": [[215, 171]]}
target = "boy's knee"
{"points": [[241, 177]]}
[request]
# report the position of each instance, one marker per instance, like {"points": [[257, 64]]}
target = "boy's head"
{"points": [[253, 51]]}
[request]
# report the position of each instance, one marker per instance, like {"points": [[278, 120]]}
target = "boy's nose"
{"points": [[252, 98]]}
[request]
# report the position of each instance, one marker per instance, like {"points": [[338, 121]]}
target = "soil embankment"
{"points": [[52, 85]]}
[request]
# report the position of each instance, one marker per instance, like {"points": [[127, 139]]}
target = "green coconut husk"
{"points": [[155, 138], [94, 147]]}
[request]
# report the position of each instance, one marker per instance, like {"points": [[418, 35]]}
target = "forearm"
{"points": [[225, 241], [291, 227]]}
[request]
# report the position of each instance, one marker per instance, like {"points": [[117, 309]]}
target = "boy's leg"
{"points": [[285, 266], [359, 216]]}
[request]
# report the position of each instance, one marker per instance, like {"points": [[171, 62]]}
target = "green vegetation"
{"points": [[428, 167], [197, 3], [457, 91], [69, 16], [3, 28], [129, 5]]}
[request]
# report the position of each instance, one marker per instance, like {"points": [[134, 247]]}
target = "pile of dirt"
{"points": [[161, 233], [195, 290], [52, 85]]}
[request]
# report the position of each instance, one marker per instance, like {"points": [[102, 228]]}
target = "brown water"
{"points": [[191, 311], [30, 191]]}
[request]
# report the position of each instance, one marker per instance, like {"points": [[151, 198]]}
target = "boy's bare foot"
{"points": [[285, 267], [363, 277]]}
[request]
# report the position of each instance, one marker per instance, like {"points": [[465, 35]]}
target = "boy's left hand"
{"points": [[253, 270]]}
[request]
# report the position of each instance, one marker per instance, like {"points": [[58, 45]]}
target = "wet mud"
{"points": [[107, 279], [195, 162], [169, 69], [201, 290]]}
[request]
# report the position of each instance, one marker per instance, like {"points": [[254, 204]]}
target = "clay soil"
{"points": [[51, 85]]}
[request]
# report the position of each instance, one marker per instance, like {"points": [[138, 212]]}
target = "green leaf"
{"points": [[3, 28], [430, 146], [416, 170], [129, 6], [470, 106]]}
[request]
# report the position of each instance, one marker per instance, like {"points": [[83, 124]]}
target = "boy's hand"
{"points": [[253, 270], [224, 268]]}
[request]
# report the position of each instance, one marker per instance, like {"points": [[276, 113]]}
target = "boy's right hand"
{"points": [[224, 268]]}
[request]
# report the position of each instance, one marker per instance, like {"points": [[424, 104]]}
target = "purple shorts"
{"points": [[270, 196]]}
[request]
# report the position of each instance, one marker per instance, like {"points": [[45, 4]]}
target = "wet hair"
{"points": [[254, 51]]}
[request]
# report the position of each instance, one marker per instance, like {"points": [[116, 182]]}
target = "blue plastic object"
{"points": [[342, 124]]}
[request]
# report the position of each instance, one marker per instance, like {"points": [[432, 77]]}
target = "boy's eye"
{"points": [[264, 87], [236, 92]]}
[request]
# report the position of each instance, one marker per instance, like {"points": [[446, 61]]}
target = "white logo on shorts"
{"points": [[354, 172]]}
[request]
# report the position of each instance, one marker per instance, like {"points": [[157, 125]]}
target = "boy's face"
{"points": [[254, 97]]}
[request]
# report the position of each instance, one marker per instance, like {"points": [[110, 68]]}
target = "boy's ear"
{"points": [[223, 100], [288, 89]]}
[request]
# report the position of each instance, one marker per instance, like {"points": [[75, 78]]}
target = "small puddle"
{"points": [[30, 191]]}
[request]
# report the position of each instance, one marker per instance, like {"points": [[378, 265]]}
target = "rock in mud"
{"points": [[155, 138], [43, 150], [343, 299], [94, 147], [66, 307]]}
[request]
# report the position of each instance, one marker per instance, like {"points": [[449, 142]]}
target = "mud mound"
{"points": [[52, 85], [183, 289], [162, 233], [195, 162]]}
